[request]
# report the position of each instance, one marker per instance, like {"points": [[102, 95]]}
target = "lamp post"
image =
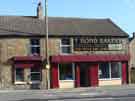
{"points": [[47, 48]]}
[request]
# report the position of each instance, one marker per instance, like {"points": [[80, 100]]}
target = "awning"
{"points": [[89, 58], [27, 61], [23, 65], [27, 58]]}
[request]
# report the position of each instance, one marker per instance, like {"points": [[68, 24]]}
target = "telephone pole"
{"points": [[47, 48]]}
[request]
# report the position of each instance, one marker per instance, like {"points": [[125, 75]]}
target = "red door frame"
{"points": [[93, 75], [124, 72], [54, 76], [77, 76]]}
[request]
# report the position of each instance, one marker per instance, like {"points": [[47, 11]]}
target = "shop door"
{"points": [[84, 80]]}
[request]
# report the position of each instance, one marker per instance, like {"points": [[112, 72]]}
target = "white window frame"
{"points": [[110, 77], [34, 46], [35, 81], [73, 72], [61, 45]]}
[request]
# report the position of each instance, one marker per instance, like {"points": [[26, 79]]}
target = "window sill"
{"points": [[65, 53], [66, 80], [111, 79], [34, 82], [20, 83]]}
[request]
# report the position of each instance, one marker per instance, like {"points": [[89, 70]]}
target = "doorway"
{"points": [[84, 78]]}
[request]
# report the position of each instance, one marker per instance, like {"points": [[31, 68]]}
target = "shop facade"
{"points": [[90, 61]]}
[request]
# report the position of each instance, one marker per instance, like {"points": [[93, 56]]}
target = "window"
{"points": [[19, 74], [110, 70], [35, 74], [104, 70], [66, 71], [115, 69], [35, 46], [65, 46]]}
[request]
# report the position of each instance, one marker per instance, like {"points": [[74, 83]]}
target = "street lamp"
{"points": [[47, 48]]}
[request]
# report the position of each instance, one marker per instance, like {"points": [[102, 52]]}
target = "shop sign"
{"points": [[97, 44], [115, 46]]}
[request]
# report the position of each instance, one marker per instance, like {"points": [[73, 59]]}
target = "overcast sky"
{"points": [[122, 12]]}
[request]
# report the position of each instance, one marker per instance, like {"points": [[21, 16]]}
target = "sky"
{"points": [[121, 12]]}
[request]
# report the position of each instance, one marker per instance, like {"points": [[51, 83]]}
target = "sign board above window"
{"points": [[97, 44]]}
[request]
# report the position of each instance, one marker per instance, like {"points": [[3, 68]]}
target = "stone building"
{"points": [[82, 52], [132, 58]]}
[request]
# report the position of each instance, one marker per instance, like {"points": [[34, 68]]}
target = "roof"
{"points": [[58, 26]]}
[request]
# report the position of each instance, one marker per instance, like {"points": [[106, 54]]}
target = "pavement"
{"points": [[78, 94]]}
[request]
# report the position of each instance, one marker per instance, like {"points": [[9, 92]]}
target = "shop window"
{"points": [[65, 46], [19, 74], [65, 71], [35, 47], [104, 70], [109, 70], [115, 69], [35, 74]]}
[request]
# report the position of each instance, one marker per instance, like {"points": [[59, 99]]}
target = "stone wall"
{"points": [[54, 48], [10, 47], [53, 44], [13, 47], [132, 53], [132, 61], [5, 76]]}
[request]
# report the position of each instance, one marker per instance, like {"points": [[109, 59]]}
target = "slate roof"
{"points": [[58, 26]]}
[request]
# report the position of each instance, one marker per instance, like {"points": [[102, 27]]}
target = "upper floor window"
{"points": [[35, 46], [65, 46]]}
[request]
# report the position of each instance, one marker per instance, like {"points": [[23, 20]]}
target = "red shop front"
{"points": [[88, 70], [27, 70]]}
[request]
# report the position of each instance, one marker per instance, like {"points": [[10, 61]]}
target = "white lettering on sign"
{"points": [[97, 43], [115, 46]]}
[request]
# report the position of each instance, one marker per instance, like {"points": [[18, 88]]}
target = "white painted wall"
{"points": [[66, 83]]}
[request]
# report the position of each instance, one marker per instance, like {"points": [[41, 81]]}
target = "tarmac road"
{"points": [[87, 99], [112, 93]]}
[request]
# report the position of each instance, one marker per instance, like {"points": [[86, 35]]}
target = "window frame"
{"points": [[110, 74], [16, 81], [35, 46], [73, 72], [119, 68], [67, 46], [39, 72]]}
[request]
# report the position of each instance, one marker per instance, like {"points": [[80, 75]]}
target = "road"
{"points": [[116, 93]]}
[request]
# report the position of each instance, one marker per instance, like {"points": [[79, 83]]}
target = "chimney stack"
{"points": [[133, 34], [40, 14]]}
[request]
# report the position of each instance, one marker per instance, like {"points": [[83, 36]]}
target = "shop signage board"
{"points": [[97, 44]]}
